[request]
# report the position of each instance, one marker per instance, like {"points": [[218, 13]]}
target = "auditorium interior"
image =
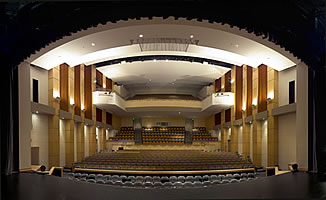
{"points": [[166, 108]]}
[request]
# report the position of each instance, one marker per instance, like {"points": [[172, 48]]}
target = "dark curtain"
{"points": [[317, 113], [9, 121]]}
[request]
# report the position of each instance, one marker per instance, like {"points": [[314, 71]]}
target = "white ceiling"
{"points": [[166, 74], [80, 49]]}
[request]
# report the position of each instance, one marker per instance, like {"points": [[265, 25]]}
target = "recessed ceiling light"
{"points": [[150, 79], [141, 35], [154, 60], [166, 60], [237, 45], [191, 36], [179, 113], [93, 44], [36, 112], [172, 83]]}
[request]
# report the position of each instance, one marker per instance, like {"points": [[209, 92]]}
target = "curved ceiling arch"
{"points": [[239, 40]]}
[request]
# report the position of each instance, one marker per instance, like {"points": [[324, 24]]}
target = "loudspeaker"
{"points": [[35, 90], [270, 171], [293, 167], [291, 92]]}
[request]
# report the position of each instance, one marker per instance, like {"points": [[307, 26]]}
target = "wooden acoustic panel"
{"points": [[98, 115], [227, 82], [99, 79], [218, 118], [218, 85], [108, 83], [238, 92], [249, 91], [88, 91], [77, 90], [228, 115], [262, 88], [108, 118], [64, 97]]}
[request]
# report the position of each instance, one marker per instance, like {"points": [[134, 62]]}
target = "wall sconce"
{"points": [[270, 96], [243, 107], [232, 81], [56, 94], [72, 102], [254, 102], [82, 107]]}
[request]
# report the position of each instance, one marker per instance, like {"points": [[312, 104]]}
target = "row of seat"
{"points": [[163, 179], [157, 181], [163, 160], [125, 133]]}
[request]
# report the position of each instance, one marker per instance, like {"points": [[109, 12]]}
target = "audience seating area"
{"points": [[168, 160], [162, 181], [200, 134], [125, 133], [158, 135]]}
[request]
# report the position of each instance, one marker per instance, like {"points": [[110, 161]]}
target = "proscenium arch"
{"points": [[204, 26], [47, 22]]}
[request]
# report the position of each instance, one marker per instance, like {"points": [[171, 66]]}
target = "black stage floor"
{"points": [[25, 186]]}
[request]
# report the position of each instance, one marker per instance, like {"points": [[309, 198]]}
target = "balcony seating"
{"points": [[200, 134], [159, 135], [125, 133]]}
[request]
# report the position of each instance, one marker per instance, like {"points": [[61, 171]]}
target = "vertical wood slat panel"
{"points": [[228, 115], [108, 118], [108, 83], [262, 88], [217, 85], [238, 92], [218, 118], [98, 115], [77, 90], [227, 82], [249, 91], [99, 79], [88, 91], [64, 99]]}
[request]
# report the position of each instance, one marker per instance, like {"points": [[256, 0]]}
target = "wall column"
{"points": [[80, 142], [92, 129], [69, 142], [272, 123], [54, 136], [302, 116], [256, 125]]}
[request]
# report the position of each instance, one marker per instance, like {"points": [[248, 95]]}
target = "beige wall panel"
{"points": [[200, 122], [210, 122], [126, 122]]}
